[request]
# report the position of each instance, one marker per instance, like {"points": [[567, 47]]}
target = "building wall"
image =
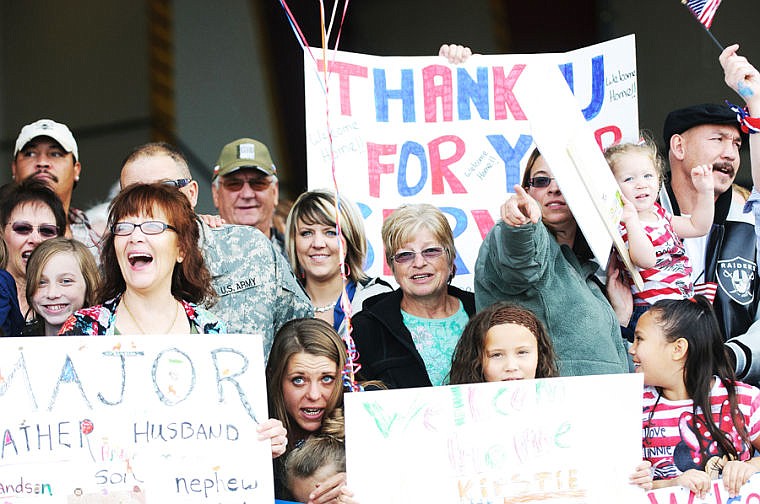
{"points": [[237, 66]]}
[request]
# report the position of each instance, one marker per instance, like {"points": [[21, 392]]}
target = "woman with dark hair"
{"points": [[537, 257], [305, 389], [154, 276], [699, 422], [30, 213], [503, 342]]}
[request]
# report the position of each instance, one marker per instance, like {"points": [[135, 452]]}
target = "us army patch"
{"points": [[735, 278], [233, 287]]}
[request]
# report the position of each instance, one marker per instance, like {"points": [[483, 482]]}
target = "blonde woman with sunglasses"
{"points": [[30, 213], [406, 338]]}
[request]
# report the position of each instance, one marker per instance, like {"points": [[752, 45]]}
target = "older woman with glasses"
{"points": [[30, 213], [537, 257], [154, 276], [406, 338]]}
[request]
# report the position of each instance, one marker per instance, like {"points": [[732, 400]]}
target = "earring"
{"points": [[76, 179]]}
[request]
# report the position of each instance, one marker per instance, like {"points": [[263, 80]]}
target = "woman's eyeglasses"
{"points": [[236, 184], [26, 228], [540, 181], [408, 256], [151, 227]]}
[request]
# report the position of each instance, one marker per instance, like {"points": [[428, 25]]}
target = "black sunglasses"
{"points": [[540, 181], [178, 183], [236, 184], [26, 228]]}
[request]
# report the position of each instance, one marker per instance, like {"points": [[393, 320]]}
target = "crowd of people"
{"points": [[541, 306]]}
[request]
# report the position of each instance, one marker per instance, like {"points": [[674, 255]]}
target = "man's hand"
{"points": [[740, 75], [455, 53]]}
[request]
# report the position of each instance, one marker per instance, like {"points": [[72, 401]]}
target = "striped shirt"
{"points": [[674, 440], [670, 277]]}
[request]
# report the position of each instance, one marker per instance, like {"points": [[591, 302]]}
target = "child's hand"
{"points": [[329, 490], [630, 214], [520, 209], [695, 480], [736, 474], [642, 475], [701, 177]]}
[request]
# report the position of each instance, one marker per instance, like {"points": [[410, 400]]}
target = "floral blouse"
{"points": [[101, 320]]}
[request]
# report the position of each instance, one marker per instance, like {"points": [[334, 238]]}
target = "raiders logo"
{"points": [[735, 277]]}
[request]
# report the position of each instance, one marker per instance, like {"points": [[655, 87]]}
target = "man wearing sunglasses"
{"points": [[257, 291], [245, 189], [46, 150]]}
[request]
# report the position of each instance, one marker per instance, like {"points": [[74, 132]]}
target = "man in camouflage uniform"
{"points": [[257, 291], [46, 150]]}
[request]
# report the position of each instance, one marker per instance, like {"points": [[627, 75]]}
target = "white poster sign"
{"points": [[416, 129], [569, 440], [148, 419]]}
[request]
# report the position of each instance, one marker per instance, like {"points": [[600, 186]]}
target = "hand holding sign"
{"points": [[455, 53], [694, 480], [735, 474], [520, 209]]}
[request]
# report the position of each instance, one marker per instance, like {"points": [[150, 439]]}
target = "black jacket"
{"points": [[386, 349], [730, 262]]}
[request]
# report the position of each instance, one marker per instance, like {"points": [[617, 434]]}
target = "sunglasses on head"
{"points": [[26, 228], [236, 184], [540, 181], [178, 183]]}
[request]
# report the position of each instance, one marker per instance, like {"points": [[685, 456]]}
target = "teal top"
{"points": [[435, 340]]}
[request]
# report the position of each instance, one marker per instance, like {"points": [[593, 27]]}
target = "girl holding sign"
{"points": [[679, 348], [503, 342], [652, 234]]}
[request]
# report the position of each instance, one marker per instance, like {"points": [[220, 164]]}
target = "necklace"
{"points": [[134, 319], [327, 307]]}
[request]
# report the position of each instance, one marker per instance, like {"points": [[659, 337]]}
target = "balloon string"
{"points": [[352, 361]]}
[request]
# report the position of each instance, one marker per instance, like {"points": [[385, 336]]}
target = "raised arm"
{"points": [[744, 78], [701, 218], [640, 247]]}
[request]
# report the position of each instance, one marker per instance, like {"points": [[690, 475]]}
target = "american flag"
{"points": [[703, 10]]}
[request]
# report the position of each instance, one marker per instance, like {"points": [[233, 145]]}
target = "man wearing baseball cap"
{"points": [[725, 258], [245, 188], [46, 150]]}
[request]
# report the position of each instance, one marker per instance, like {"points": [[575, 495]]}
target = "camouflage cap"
{"points": [[244, 153]]}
